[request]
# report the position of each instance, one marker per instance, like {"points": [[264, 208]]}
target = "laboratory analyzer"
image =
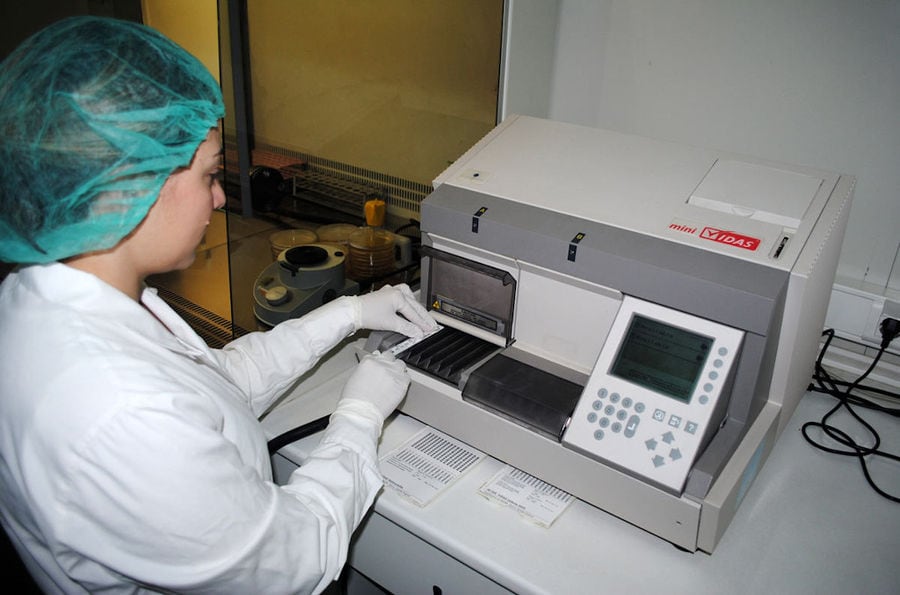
{"points": [[630, 320]]}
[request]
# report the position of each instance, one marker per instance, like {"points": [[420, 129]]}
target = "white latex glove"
{"points": [[393, 309], [378, 384]]}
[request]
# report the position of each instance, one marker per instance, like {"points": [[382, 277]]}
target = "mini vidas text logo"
{"points": [[729, 237], [683, 228]]}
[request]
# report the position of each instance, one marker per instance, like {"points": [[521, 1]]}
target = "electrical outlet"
{"points": [[855, 315], [889, 309]]}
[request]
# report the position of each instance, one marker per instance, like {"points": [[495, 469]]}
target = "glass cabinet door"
{"points": [[337, 109], [332, 107]]}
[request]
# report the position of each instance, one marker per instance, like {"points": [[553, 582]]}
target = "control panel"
{"points": [[657, 392]]}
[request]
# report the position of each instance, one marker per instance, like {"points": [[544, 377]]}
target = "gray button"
{"points": [[658, 461], [601, 393], [668, 438], [675, 421], [704, 399], [713, 375], [690, 427], [596, 405], [609, 410], [616, 427], [675, 454], [626, 402], [659, 415], [708, 387], [723, 351], [592, 417], [604, 422], [651, 444], [614, 398], [598, 434], [621, 414], [718, 363], [632, 425], [639, 407]]}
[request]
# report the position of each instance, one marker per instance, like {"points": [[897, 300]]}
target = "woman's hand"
{"points": [[394, 309]]}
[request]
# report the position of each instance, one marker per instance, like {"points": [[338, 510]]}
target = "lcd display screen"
{"points": [[662, 358]]}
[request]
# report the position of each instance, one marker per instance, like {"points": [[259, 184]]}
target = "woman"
{"points": [[131, 457]]}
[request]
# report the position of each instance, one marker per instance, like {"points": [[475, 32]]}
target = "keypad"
{"points": [[618, 413]]}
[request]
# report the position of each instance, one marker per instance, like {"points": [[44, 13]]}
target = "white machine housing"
{"points": [[581, 221]]}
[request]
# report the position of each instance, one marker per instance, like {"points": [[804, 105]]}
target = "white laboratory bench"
{"points": [[809, 524]]}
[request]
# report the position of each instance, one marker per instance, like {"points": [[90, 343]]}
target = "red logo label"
{"points": [[730, 238]]}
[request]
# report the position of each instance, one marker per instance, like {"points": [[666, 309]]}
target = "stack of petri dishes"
{"points": [[289, 238], [371, 253]]}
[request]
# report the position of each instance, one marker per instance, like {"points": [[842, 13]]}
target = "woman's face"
{"points": [[178, 220]]}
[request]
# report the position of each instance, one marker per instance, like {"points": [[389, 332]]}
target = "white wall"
{"points": [[528, 57], [812, 82]]}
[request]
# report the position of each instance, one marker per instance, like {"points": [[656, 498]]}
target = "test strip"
{"points": [[407, 343]]}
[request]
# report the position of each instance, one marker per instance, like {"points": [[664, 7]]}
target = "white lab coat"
{"points": [[132, 458]]}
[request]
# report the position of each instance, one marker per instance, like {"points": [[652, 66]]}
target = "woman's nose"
{"points": [[218, 195]]}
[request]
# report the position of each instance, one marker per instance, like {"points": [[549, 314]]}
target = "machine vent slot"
{"points": [[447, 354]]}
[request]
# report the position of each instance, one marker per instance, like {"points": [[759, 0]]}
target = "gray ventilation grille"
{"points": [[212, 328]]}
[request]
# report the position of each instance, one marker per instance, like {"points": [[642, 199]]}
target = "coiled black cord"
{"points": [[843, 392]]}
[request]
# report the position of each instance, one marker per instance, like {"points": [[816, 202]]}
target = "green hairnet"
{"points": [[95, 114]]}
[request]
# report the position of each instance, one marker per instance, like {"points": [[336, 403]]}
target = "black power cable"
{"points": [[843, 392], [292, 435]]}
